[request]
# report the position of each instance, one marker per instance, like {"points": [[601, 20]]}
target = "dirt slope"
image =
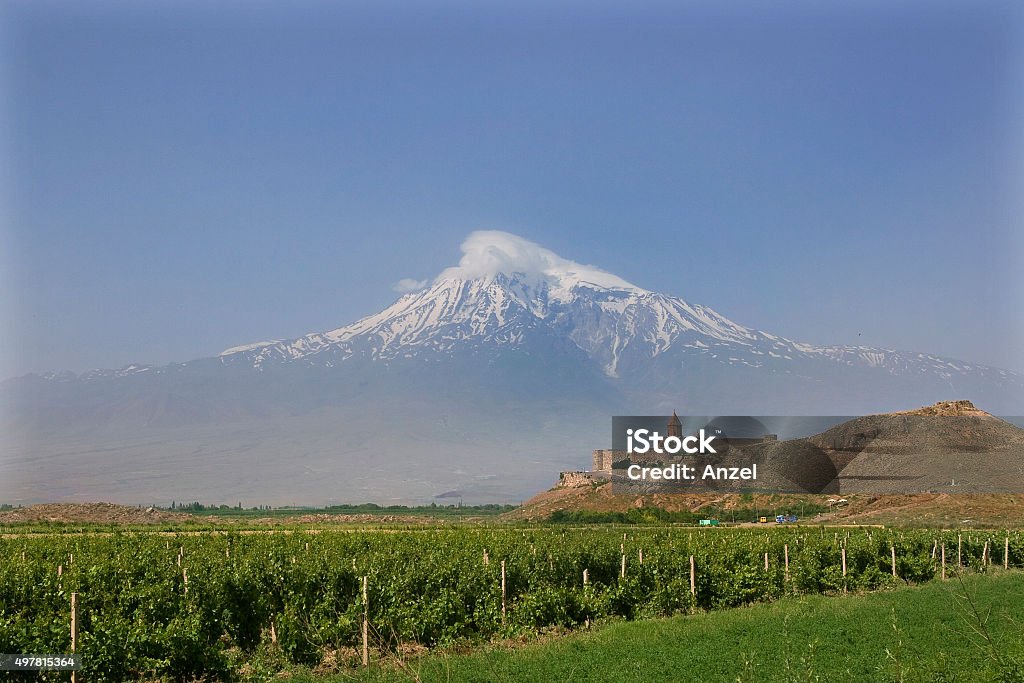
{"points": [[102, 513]]}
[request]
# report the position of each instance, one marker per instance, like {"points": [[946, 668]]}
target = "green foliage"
{"points": [[294, 597]]}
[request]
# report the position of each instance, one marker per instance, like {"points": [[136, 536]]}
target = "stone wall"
{"points": [[571, 479], [604, 457]]}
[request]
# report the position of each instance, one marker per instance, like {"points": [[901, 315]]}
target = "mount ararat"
{"points": [[480, 385]]}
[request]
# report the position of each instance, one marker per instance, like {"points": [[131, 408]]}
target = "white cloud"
{"points": [[489, 252], [407, 284]]}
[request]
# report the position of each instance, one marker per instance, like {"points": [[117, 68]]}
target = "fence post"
{"points": [[1006, 553], [766, 561], [74, 629], [503, 592], [785, 549], [943, 561], [844, 568], [959, 547], [693, 577], [366, 626], [893, 549]]}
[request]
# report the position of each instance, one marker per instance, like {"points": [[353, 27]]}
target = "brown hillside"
{"points": [[925, 509], [947, 426], [870, 445], [100, 513]]}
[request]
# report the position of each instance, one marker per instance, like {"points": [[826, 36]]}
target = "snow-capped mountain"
{"points": [[620, 327], [482, 383], [502, 309]]}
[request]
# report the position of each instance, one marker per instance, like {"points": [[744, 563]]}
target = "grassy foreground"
{"points": [[969, 630]]}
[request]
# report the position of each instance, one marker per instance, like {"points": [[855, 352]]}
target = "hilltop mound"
{"points": [[946, 427], [947, 409]]}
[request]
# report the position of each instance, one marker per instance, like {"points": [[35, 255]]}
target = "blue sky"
{"points": [[180, 179]]}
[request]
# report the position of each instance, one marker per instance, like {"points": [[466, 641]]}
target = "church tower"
{"points": [[675, 427]]}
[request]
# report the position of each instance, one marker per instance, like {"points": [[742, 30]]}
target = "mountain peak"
{"points": [[487, 254]]}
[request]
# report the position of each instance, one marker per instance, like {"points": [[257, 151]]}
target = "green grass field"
{"points": [[927, 633]]}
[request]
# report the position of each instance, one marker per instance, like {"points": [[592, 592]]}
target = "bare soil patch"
{"points": [[96, 513]]}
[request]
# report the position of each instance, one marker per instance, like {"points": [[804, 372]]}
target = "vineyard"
{"points": [[176, 607]]}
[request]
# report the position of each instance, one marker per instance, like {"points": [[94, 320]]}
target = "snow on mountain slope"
{"points": [[506, 288]]}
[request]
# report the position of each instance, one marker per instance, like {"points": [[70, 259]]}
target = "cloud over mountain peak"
{"points": [[486, 253]]}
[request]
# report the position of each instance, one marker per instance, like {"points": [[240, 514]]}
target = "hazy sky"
{"points": [[179, 179]]}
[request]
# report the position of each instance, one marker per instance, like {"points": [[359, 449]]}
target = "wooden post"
{"points": [[487, 559], [366, 626], [935, 547], [184, 578], [693, 577], [623, 573], [74, 628], [844, 568], [984, 554], [273, 633], [959, 550], [893, 549], [1006, 553], [586, 576], [785, 549], [766, 561], [641, 555], [503, 591], [943, 561]]}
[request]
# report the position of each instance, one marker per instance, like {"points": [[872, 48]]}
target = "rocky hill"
{"points": [[948, 454]]}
